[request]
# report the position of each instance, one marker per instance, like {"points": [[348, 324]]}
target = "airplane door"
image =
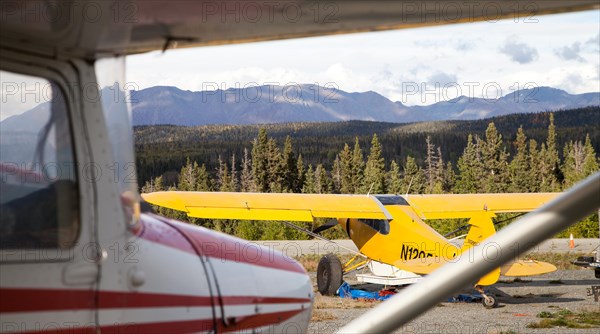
{"points": [[48, 262]]}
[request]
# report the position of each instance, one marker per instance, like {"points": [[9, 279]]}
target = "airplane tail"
{"points": [[482, 227]]}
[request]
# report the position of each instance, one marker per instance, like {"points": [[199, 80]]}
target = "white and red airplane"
{"points": [[77, 254]]}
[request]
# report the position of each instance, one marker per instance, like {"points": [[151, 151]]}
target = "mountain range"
{"points": [[161, 105], [312, 103]]}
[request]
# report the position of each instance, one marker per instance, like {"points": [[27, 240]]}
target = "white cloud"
{"points": [[384, 61], [441, 78], [570, 52], [519, 51], [593, 44]]}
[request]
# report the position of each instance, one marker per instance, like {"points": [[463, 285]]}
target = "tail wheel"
{"points": [[329, 275], [489, 301]]}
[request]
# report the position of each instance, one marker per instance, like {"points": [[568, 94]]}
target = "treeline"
{"points": [[485, 166], [163, 150]]}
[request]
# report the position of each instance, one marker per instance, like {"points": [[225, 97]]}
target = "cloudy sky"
{"points": [[415, 66]]}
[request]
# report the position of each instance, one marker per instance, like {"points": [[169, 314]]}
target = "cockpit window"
{"points": [[380, 225], [39, 205], [391, 200]]}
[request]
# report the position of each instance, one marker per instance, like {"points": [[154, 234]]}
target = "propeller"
{"points": [[329, 224]]}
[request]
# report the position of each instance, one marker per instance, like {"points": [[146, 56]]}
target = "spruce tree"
{"points": [[495, 161], [299, 183], [439, 174], [573, 162], [358, 167], [202, 179], [430, 164], [336, 175], [550, 168], [394, 180], [347, 184], [322, 183], [246, 179], [155, 184], [590, 163], [535, 175], [301, 175], [289, 167], [449, 178], [470, 168], [223, 177], [309, 181], [374, 176], [579, 161], [414, 177], [274, 167], [520, 171], [187, 176], [233, 178], [260, 161]]}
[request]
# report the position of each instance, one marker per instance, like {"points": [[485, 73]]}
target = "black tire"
{"points": [[489, 302], [329, 275], [597, 272]]}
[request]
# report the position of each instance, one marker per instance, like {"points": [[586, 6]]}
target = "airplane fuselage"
{"points": [[405, 237]]}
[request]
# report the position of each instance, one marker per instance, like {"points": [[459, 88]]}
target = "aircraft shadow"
{"points": [[531, 298], [555, 283]]}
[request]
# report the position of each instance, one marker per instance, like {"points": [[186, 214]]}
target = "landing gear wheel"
{"points": [[489, 301], [329, 275]]}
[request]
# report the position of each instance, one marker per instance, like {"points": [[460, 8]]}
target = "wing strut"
{"points": [[312, 234]]}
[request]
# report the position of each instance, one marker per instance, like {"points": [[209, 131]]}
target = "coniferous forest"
{"points": [[547, 152]]}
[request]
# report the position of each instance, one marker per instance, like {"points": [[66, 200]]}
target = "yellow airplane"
{"points": [[388, 230]]}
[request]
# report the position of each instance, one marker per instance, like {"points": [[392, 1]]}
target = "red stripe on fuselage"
{"points": [[177, 327], [31, 300]]}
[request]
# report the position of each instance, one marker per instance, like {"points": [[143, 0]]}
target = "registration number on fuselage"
{"points": [[409, 253]]}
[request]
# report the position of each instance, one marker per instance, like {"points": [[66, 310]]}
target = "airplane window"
{"points": [[38, 197], [380, 225]]}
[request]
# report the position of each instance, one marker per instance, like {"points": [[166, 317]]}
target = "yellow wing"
{"points": [[262, 206], [466, 205]]}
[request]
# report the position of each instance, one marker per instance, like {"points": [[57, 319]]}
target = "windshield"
{"points": [[114, 94]]}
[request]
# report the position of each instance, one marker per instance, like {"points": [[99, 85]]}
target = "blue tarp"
{"points": [[347, 291], [466, 298]]}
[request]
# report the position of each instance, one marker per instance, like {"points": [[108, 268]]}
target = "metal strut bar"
{"points": [[315, 235]]}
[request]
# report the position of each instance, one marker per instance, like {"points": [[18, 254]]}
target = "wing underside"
{"points": [[263, 206], [466, 205]]}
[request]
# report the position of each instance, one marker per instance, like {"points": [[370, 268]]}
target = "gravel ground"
{"points": [[519, 303]]}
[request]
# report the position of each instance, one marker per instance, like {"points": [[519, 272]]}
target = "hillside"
{"points": [[162, 149]]}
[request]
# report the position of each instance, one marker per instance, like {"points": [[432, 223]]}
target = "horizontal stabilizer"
{"points": [[527, 268], [424, 266]]}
